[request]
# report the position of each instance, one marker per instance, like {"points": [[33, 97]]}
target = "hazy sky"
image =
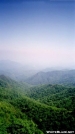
{"points": [[38, 32]]}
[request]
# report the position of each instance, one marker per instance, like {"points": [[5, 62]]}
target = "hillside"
{"points": [[66, 77], [20, 114], [12, 120], [10, 89]]}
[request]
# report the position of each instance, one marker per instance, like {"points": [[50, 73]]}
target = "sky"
{"points": [[38, 32]]}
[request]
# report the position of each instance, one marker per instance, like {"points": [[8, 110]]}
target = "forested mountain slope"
{"points": [[11, 89], [12, 120], [20, 114]]}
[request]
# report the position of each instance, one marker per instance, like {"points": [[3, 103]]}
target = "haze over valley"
{"points": [[36, 76]]}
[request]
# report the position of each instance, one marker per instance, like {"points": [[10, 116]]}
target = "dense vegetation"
{"points": [[12, 120], [54, 95], [35, 110]]}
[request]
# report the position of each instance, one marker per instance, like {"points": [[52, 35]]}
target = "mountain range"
{"points": [[32, 76]]}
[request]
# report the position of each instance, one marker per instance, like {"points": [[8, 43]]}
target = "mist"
{"points": [[41, 57]]}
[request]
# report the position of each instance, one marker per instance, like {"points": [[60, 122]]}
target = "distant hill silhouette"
{"points": [[53, 77]]}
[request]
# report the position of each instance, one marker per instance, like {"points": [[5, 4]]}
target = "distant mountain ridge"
{"points": [[21, 73], [53, 77]]}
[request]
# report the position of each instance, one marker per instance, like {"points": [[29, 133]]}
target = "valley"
{"points": [[27, 108]]}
